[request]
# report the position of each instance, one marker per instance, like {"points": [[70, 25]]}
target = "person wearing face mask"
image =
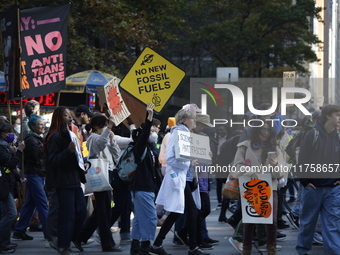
{"points": [[35, 174], [10, 158]]}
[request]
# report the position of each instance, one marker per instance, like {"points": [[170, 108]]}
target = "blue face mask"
{"points": [[10, 138]]}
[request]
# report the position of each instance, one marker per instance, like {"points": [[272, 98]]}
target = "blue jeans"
{"points": [[8, 215], [313, 201], [35, 199], [145, 220], [71, 215]]}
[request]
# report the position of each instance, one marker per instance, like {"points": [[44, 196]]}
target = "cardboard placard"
{"points": [[111, 96], [192, 146], [256, 199]]}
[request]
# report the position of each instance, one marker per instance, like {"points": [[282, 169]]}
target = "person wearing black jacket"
{"points": [[318, 164], [9, 160], [65, 175], [143, 187], [36, 198]]}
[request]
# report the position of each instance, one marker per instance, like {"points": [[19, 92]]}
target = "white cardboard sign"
{"points": [[192, 146], [256, 199]]}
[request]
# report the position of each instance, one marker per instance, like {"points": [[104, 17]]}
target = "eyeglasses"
{"points": [[265, 131]]}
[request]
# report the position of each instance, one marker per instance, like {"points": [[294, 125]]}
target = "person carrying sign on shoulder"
{"points": [[260, 150]]}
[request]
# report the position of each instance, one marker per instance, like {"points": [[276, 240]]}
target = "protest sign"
{"points": [[111, 96], [11, 51], [43, 41], [256, 199], [78, 153], [192, 146], [152, 78]]}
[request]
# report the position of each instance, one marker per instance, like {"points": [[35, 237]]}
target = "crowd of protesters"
{"points": [[165, 190]]}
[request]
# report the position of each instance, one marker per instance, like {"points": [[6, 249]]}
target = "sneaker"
{"points": [[96, 237], [182, 239], [177, 242], [54, 242], [158, 250], [293, 219], [317, 238], [210, 241], [67, 252], [282, 225], [125, 241], [9, 249], [89, 241], [237, 245], [206, 246], [219, 206], [264, 248], [280, 236], [197, 251], [22, 236]]}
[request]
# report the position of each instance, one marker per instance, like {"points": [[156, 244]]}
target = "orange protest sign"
{"points": [[257, 194]]}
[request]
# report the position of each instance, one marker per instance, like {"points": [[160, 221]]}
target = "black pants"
{"points": [[219, 184], [101, 218], [123, 204], [202, 214], [191, 220]]}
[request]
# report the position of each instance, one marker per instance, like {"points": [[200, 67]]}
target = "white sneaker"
{"points": [[89, 241], [47, 244], [264, 248], [237, 245]]}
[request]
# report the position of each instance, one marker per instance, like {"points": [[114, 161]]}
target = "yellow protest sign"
{"points": [[152, 78]]}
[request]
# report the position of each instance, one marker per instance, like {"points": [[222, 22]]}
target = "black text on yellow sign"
{"points": [[152, 78]]}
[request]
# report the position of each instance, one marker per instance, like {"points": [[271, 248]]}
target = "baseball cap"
{"points": [[85, 109]]}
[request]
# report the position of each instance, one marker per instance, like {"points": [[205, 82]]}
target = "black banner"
{"points": [[11, 53], [43, 41]]}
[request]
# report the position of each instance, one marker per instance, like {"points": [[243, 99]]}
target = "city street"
{"points": [[217, 230]]}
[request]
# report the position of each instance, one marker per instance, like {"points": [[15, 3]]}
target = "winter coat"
{"points": [[325, 153], [9, 162], [62, 164], [171, 193], [33, 155], [246, 157]]}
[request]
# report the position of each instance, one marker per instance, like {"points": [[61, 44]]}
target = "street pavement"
{"points": [[217, 230]]}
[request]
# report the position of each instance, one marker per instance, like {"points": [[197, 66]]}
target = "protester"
{"points": [[101, 144], [143, 187], [121, 194], [221, 137], [66, 175], [320, 194], [254, 152], [34, 164], [176, 192], [31, 107], [10, 158]]}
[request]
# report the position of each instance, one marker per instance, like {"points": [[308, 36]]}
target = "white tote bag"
{"points": [[97, 177]]}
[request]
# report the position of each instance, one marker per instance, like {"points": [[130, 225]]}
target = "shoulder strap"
{"points": [[315, 139]]}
